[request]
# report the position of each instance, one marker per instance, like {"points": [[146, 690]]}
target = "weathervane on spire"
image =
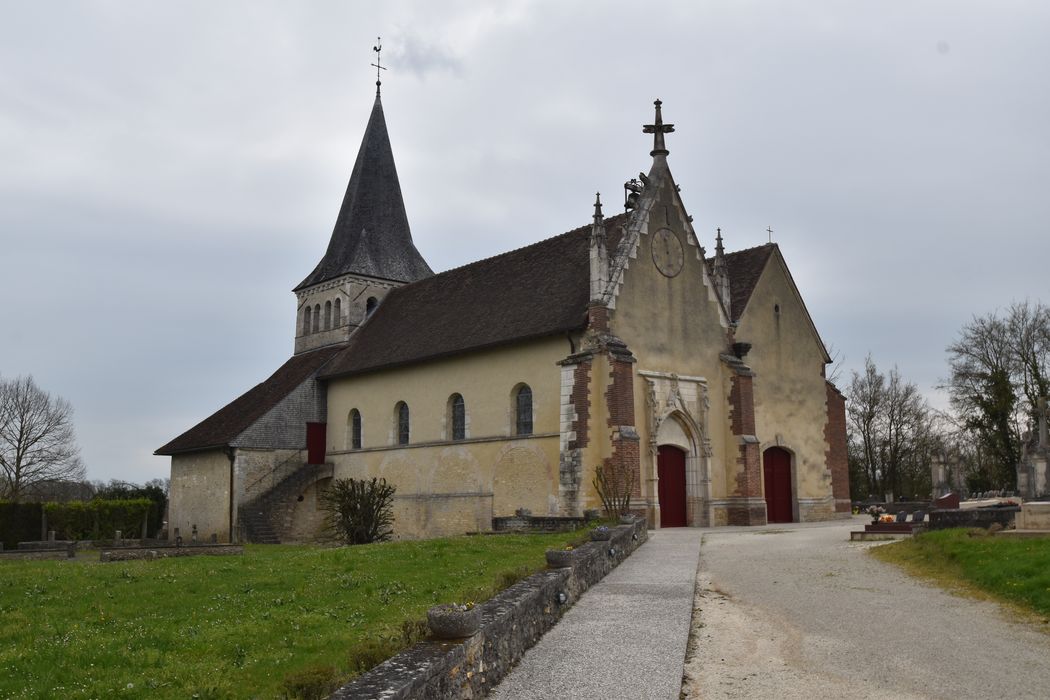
{"points": [[378, 48], [658, 130]]}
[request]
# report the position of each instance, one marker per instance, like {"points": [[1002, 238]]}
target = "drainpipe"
{"points": [[231, 455]]}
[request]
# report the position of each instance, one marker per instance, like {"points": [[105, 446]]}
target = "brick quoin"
{"points": [[619, 398], [581, 403], [749, 479], [598, 318], [836, 455]]}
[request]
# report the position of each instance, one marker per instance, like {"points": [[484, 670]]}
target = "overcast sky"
{"points": [[169, 171]]}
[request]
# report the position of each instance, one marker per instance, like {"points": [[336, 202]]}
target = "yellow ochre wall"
{"points": [[200, 495], [446, 487], [674, 324], [790, 396]]}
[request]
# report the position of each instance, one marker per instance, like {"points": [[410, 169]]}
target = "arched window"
{"points": [[317, 317], [523, 410], [457, 417], [370, 306], [327, 315], [401, 416], [355, 429], [338, 313], [306, 320]]}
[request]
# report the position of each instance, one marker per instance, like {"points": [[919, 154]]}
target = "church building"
{"points": [[695, 380]]}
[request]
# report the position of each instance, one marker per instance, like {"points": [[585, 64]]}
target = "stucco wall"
{"points": [[446, 487], [674, 325], [200, 495], [789, 387]]}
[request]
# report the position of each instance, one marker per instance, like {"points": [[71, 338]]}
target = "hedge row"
{"points": [[19, 522], [97, 519]]}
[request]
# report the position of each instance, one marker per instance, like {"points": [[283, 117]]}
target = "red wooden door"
{"points": [[315, 442], [776, 467], [670, 468]]}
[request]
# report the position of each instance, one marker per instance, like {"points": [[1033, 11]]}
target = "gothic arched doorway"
{"points": [[670, 467], [776, 468]]}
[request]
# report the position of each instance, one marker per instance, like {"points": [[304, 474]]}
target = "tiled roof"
{"points": [[371, 235], [218, 429], [539, 290], [745, 267]]}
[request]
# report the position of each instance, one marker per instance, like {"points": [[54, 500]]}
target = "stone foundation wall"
{"points": [[977, 517], [134, 553], [511, 622]]}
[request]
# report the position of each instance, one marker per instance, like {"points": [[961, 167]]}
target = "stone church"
{"points": [[505, 384]]}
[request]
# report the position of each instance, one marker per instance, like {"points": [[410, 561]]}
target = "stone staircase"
{"points": [[263, 518]]}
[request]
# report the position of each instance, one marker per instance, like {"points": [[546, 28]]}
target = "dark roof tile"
{"points": [[539, 290], [218, 429]]}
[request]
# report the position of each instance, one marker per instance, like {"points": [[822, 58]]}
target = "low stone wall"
{"points": [[133, 553], [536, 523], [47, 544], [511, 622], [976, 517], [27, 554]]}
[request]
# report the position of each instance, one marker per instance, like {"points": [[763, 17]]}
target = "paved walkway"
{"points": [[798, 611], [626, 637]]}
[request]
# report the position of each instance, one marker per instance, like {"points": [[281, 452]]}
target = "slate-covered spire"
{"points": [[371, 235]]}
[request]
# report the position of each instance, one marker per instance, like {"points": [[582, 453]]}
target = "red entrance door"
{"points": [[776, 466], [670, 468], [315, 442]]}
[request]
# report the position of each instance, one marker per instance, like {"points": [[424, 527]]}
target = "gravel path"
{"points": [[799, 612], [626, 637]]}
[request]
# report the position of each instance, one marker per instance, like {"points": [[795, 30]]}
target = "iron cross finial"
{"points": [[378, 65], [658, 130], [769, 230]]}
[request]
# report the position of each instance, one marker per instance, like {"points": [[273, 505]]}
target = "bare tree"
{"points": [[891, 433], [37, 440], [1000, 366]]}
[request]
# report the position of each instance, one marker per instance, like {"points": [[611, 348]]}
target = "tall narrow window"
{"points": [[327, 315], [457, 417], [401, 414], [306, 320], [355, 429], [370, 306], [317, 317], [523, 411], [338, 314]]}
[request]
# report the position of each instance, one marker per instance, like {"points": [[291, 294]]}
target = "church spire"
{"points": [[599, 253], [658, 129], [720, 272], [371, 236]]}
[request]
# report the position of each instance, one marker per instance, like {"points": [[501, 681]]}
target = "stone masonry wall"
{"points": [[511, 622], [284, 425]]}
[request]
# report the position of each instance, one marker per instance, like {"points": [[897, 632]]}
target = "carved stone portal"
{"points": [[677, 414]]}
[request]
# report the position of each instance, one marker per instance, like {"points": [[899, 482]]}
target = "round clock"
{"points": [[667, 252]]}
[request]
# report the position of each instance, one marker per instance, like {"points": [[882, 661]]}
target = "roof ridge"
{"points": [[512, 251], [752, 249]]}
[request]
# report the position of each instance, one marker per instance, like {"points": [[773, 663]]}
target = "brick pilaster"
{"points": [[749, 457], [836, 455]]}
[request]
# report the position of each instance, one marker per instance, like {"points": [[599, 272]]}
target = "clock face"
{"points": [[667, 252]]}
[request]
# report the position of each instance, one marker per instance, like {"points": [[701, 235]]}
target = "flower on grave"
{"points": [[463, 607], [569, 548], [601, 528], [875, 512]]}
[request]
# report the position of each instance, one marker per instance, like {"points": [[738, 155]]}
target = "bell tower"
{"points": [[370, 251]]}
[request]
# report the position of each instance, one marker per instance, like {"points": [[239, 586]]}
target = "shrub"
{"points": [[613, 485], [19, 522], [359, 511], [97, 519], [311, 683]]}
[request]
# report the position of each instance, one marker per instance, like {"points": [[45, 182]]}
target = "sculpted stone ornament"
{"points": [[667, 253]]}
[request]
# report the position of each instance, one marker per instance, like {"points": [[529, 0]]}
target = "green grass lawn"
{"points": [[257, 625], [1015, 571]]}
